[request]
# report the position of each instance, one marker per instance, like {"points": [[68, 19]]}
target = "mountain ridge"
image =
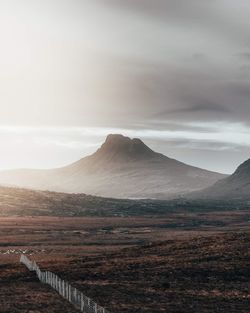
{"points": [[234, 187], [122, 168]]}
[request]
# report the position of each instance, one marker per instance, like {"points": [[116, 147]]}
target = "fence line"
{"points": [[73, 295]]}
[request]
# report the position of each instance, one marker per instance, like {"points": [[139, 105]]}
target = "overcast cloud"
{"points": [[174, 72]]}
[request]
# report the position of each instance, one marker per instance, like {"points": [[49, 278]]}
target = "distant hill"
{"points": [[25, 202], [234, 187], [121, 168]]}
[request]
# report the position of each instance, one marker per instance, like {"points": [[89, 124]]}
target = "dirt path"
{"points": [[21, 292]]}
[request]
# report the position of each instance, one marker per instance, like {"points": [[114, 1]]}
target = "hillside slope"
{"points": [[121, 168], [234, 187]]}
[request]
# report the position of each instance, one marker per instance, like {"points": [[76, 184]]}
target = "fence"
{"points": [[74, 296]]}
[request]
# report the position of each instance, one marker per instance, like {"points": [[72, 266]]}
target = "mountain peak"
{"points": [[117, 145], [121, 168]]}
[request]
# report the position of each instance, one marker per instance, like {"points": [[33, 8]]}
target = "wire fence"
{"points": [[73, 295]]}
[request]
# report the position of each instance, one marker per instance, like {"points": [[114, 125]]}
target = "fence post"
{"points": [[60, 285], [66, 291], [70, 296], [75, 295], [70, 293], [63, 288], [82, 302]]}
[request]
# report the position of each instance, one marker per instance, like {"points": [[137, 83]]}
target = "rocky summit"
{"points": [[121, 168]]}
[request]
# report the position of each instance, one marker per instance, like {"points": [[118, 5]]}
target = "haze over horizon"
{"points": [[175, 74]]}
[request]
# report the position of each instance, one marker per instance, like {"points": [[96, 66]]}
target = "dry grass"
{"points": [[21, 292], [178, 263], [204, 274]]}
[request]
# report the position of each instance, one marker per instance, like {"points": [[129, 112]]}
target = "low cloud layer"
{"points": [[218, 147], [160, 67]]}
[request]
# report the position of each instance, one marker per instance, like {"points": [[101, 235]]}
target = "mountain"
{"points": [[234, 187], [121, 168]]}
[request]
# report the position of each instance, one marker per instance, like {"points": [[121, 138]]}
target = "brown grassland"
{"points": [[182, 263]]}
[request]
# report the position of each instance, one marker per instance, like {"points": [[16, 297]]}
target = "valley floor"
{"points": [[204, 274], [130, 264], [20, 291]]}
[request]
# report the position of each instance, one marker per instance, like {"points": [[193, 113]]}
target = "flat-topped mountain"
{"points": [[234, 187], [120, 168]]}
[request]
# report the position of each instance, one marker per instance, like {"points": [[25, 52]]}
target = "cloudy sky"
{"points": [[175, 73]]}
